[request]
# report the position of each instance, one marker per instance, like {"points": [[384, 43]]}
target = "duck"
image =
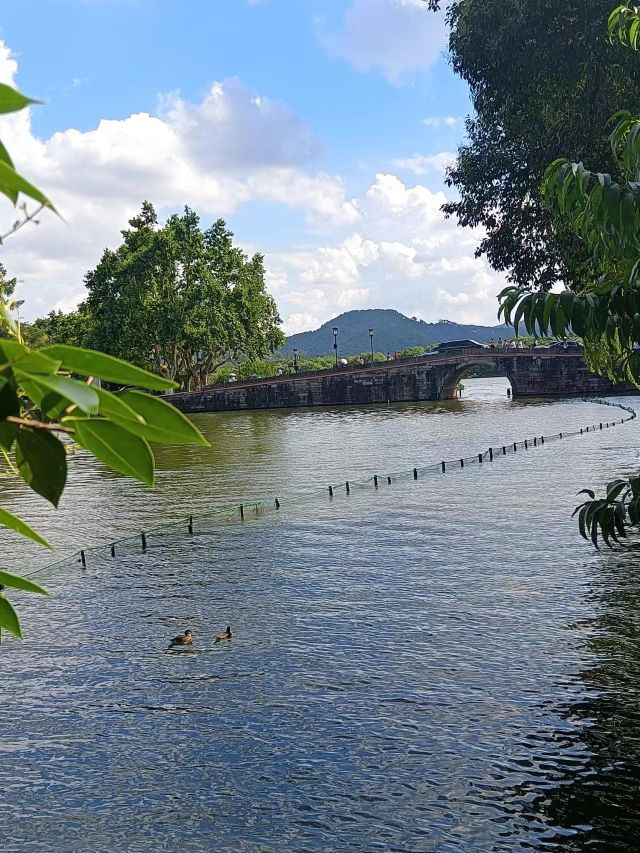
{"points": [[182, 639], [224, 635]]}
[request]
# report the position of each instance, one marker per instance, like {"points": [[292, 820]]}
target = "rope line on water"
{"points": [[240, 511]]}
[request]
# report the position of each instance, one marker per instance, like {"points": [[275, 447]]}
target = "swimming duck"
{"points": [[182, 639], [224, 635]]}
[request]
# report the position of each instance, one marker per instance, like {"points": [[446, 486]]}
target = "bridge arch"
{"points": [[457, 372]]}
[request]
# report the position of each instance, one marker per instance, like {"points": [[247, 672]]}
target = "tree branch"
{"points": [[11, 419]]}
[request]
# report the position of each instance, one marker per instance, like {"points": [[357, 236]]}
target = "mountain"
{"points": [[392, 331]]}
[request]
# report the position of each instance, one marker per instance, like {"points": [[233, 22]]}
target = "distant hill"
{"points": [[392, 331]]}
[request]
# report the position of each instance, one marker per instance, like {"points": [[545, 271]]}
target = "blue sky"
{"points": [[317, 128]]}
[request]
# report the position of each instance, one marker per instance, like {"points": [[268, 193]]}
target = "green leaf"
{"points": [[14, 523], [567, 298], [549, 308], [163, 423], [18, 582], [12, 100], [36, 362], [4, 156], [115, 409], [53, 405], [83, 396], [9, 403], [13, 183], [42, 463], [8, 433], [112, 444], [11, 350], [88, 362], [9, 617]]}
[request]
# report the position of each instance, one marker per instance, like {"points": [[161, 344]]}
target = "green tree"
{"points": [[73, 328], [603, 210], [543, 80], [179, 300], [48, 398]]}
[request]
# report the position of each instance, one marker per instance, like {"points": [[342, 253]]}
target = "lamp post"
{"points": [[371, 338], [335, 342], [295, 359]]}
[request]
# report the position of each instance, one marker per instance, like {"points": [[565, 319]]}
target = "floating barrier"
{"points": [[140, 541]]}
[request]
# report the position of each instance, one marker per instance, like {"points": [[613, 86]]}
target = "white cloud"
{"points": [[443, 121], [229, 149], [405, 255], [425, 164], [397, 37], [390, 247]]}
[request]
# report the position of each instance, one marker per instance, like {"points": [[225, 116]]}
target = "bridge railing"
{"points": [[447, 357]]}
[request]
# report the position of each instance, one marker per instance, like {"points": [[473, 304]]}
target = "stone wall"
{"points": [[565, 376], [531, 375]]}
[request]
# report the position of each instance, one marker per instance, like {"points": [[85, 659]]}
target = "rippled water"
{"points": [[438, 666]]}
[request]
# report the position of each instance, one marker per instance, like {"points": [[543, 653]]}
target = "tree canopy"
{"points": [[544, 80], [180, 300]]}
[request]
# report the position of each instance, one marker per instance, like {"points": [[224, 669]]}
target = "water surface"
{"points": [[440, 665]]}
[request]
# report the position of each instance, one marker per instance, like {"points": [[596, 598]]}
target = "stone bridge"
{"points": [[531, 373]]}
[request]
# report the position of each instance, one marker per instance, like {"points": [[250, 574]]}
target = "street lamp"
{"points": [[335, 342], [371, 337], [295, 359]]}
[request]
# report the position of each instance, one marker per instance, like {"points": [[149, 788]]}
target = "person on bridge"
{"points": [[395, 355], [388, 356]]}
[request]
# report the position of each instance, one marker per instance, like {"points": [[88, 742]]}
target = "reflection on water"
{"points": [[440, 665]]}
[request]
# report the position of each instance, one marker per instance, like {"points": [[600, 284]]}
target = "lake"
{"points": [[438, 665]]}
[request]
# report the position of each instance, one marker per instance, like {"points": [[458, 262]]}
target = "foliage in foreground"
{"points": [[53, 395], [604, 212]]}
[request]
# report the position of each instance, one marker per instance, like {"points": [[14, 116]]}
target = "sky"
{"points": [[319, 129]]}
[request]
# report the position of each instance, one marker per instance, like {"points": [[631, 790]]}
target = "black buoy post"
{"points": [[242, 512], [83, 560], [277, 503], [491, 454], [480, 458], [190, 524], [113, 550], [143, 537], [375, 481], [415, 473], [444, 467], [348, 487]]}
